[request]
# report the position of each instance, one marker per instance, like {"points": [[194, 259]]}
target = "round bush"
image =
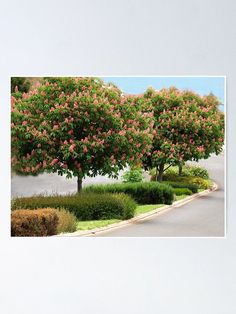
{"points": [[133, 175], [34, 223], [67, 221]]}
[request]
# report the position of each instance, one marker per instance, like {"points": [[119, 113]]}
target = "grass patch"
{"points": [[146, 208], [141, 209], [93, 224], [181, 197]]}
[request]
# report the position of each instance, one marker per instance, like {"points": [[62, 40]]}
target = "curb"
{"points": [[141, 217]]}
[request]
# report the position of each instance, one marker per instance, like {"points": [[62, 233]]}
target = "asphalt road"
{"points": [[203, 217]]}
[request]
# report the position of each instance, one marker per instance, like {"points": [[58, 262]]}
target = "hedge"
{"points": [[85, 206], [182, 191], [141, 192], [192, 187], [34, 223]]}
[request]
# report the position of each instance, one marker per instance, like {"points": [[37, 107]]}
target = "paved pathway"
{"points": [[51, 184], [203, 217]]}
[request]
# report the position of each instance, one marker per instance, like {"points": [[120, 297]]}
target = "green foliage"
{"points": [[94, 224], [196, 171], [187, 171], [77, 126], [192, 187], [182, 191], [34, 223], [187, 127], [142, 209], [172, 173], [133, 175], [85, 206], [67, 221], [142, 192], [202, 183], [20, 84]]}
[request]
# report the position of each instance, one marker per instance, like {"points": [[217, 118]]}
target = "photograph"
{"points": [[118, 156], [118, 170]]}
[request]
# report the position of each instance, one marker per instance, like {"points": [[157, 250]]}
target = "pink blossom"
{"points": [[55, 160], [71, 148], [122, 133]]}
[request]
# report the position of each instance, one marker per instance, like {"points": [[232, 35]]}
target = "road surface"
{"points": [[203, 217]]}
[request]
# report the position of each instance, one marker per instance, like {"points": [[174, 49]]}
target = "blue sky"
{"points": [[201, 85]]}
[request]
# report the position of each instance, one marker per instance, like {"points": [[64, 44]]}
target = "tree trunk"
{"points": [[79, 184], [180, 169], [160, 172]]}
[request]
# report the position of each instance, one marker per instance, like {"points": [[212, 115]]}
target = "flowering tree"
{"points": [[77, 127], [187, 127]]}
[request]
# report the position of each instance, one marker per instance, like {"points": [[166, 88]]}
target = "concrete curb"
{"points": [[157, 211]]}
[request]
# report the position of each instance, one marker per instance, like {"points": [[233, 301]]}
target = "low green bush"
{"points": [[85, 206], [133, 175], [196, 171], [202, 183], [192, 187], [142, 192], [67, 221], [182, 191], [34, 223]]}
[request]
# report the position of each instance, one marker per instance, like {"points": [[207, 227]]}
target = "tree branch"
{"points": [[168, 167]]}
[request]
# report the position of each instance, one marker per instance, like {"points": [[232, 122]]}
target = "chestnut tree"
{"points": [[77, 126]]}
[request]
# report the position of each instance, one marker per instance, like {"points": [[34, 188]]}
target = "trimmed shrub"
{"points": [[34, 223], [202, 183], [142, 192], [133, 175], [67, 221], [182, 191], [85, 206], [191, 187], [196, 171]]}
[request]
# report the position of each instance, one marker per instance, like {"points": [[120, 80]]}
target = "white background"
{"points": [[133, 275]]}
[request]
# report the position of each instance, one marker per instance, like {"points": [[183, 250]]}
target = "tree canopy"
{"points": [[77, 127], [187, 127]]}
